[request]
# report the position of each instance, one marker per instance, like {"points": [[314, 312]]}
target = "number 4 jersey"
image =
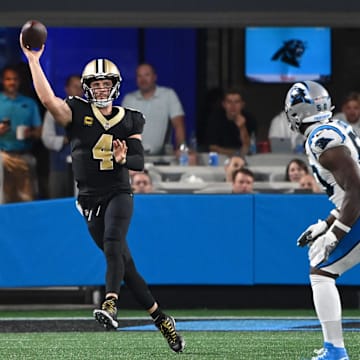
{"points": [[323, 136], [91, 137]]}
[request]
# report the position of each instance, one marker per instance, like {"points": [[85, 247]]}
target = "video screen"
{"points": [[287, 54]]}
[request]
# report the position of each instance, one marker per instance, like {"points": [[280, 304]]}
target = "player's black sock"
{"points": [[158, 315], [115, 299]]}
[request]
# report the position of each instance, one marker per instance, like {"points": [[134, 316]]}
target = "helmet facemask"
{"points": [[101, 69]]}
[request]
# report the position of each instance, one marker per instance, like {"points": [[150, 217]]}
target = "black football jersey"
{"points": [[91, 137]]}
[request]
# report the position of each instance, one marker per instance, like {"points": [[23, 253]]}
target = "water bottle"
{"points": [[184, 155], [213, 159]]}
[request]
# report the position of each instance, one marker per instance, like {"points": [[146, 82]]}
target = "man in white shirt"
{"points": [[279, 128], [162, 110]]}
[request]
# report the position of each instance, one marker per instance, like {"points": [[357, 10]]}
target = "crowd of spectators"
{"points": [[229, 129]]}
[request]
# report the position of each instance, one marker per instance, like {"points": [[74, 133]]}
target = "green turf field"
{"points": [[148, 345]]}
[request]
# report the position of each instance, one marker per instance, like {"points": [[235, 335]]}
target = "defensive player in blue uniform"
{"points": [[333, 151], [105, 143]]}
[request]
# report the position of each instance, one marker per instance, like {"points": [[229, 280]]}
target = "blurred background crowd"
{"points": [[212, 124]]}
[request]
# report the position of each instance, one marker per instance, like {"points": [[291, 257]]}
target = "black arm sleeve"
{"points": [[135, 154]]}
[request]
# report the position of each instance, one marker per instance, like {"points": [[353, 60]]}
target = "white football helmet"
{"points": [[100, 69], [307, 102]]}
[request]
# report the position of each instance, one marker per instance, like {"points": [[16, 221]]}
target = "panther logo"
{"points": [[299, 94], [322, 142], [291, 52]]}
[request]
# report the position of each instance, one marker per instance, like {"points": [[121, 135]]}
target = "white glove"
{"points": [[312, 232], [322, 247]]}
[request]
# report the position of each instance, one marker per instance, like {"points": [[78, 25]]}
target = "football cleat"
{"points": [[166, 326], [330, 352], [106, 316]]}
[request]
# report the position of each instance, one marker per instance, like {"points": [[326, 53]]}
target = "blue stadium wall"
{"points": [[175, 239]]}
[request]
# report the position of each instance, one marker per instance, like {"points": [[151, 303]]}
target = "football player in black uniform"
{"points": [[105, 143]]}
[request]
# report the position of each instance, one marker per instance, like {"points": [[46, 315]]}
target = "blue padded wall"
{"points": [[207, 239]]}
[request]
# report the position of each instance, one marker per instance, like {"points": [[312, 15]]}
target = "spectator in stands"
{"points": [[279, 128], [295, 169], [231, 164], [230, 127], [20, 125], [350, 111], [54, 138], [243, 181], [308, 182], [38, 150], [141, 182], [162, 110]]}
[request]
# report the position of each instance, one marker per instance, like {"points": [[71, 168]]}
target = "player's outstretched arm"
{"points": [[57, 106]]}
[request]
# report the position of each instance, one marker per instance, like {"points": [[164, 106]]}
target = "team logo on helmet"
{"points": [[307, 102], [299, 94]]}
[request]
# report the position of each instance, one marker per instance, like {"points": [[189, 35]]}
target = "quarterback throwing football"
{"points": [[105, 143]]}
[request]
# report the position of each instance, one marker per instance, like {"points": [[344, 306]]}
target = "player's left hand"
{"points": [[120, 150], [322, 247], [311, 233]]}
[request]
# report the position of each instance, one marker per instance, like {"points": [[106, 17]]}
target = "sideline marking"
{"points": [[228, 323], [274, 324]]}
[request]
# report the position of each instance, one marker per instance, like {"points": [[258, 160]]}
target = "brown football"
{"points": [[34, 34]]}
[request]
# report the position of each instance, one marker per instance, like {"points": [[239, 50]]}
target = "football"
{"points": [[34, 34]]}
